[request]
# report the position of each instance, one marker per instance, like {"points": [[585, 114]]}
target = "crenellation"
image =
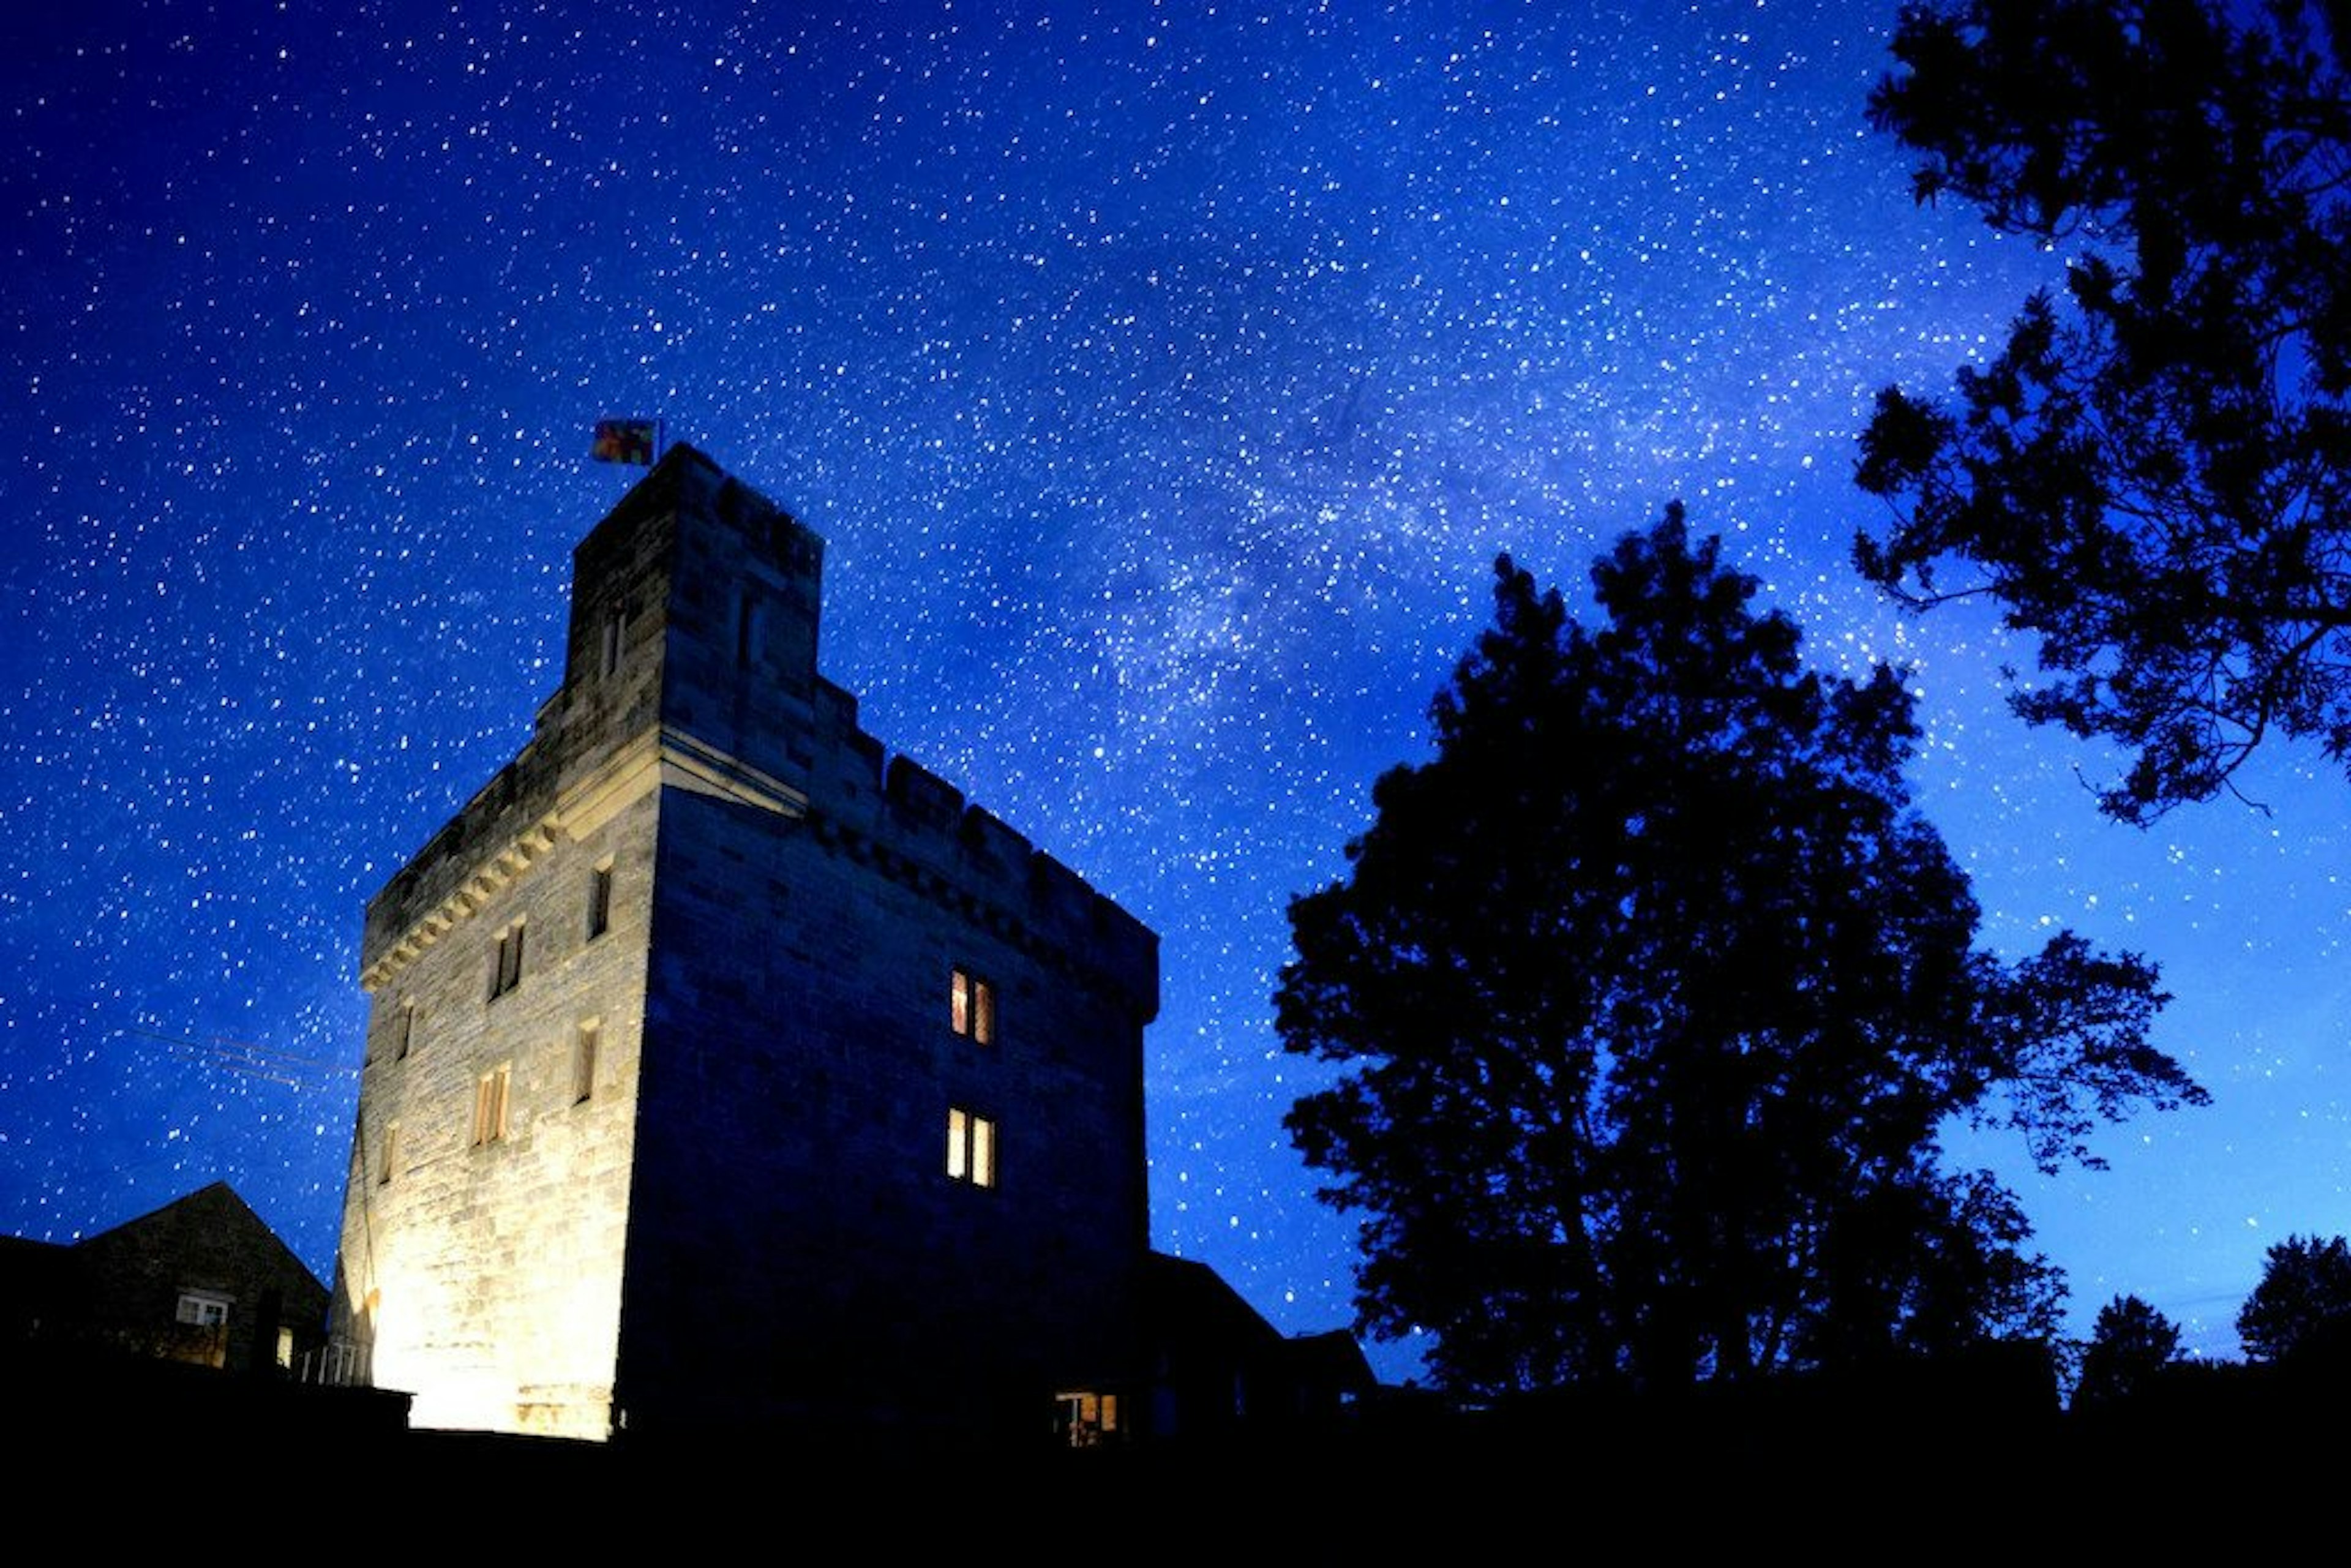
{"points": [[1031, 900], [992, 847], [922, 802]]}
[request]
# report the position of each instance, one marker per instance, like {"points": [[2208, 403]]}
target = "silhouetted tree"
{"points": [[2154, 476], [1654, 991], [2129, 1342], [2304, 1294]]}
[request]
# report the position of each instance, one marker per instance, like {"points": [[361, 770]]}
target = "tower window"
{"points": [[971, 1007], [616, 634], [599, 900], [747, 631], [490, 1106], [971, 1148], [391, 1154], [404, 1030], [583, 1060], [506, 971]]}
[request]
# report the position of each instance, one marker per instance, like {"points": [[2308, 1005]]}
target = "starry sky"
{"points": [[1164, 378]]}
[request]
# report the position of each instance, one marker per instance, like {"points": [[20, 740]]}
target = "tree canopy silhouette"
{"points": [[2154, 476], [1654, 993], [2303, 1297], [2129, 1344]]}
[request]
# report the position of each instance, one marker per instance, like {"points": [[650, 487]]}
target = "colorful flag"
{"points": [[635, 441]]}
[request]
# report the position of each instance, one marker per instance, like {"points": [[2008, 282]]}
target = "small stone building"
{"points": [[1217, 1368], [724, 1072], [202, 1280]]}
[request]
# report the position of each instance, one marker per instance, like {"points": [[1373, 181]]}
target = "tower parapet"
{"points": [[918, 829]]}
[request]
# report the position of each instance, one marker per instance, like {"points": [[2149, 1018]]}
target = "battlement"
{"points": [[918, 827], [477, 852]]}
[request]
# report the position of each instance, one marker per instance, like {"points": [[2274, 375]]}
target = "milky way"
{"points": [[1165, 379]]}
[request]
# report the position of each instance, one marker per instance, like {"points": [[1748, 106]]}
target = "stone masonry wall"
{"points": [[798, 1248], [484, 1261]]}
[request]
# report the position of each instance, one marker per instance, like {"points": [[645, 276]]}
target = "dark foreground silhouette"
{"points": [[1969, 1452]]}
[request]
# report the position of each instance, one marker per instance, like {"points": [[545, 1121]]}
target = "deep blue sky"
{"points": [[1164, 378]]}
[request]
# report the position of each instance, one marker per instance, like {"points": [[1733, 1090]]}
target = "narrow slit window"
{"points": [[616, 636], [584, 1046], [599, 900], [507, 972], [490, 1106], [747, 631], [391, 1154]]}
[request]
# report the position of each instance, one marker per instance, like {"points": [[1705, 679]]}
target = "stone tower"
{"points": [[723, 1072]]}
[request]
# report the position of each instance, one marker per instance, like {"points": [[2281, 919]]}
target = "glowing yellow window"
{"points": [[971, 1148], [971, 1007]]}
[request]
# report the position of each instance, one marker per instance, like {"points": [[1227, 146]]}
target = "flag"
{"points": [[635, 441]]}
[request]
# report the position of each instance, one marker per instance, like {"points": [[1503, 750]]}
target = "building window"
{"points": [[971, 1148], [616, 634], [971, 1006], [202, 1309], [490, 1106], [583, 1060], [404, 1030], [391, 1154], [508, 972], [1088, 1420], [747, 631], [599, 900]]}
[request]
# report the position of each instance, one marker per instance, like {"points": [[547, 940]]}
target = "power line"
{"points": [[250, 1059]]}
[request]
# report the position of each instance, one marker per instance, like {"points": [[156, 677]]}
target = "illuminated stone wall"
{"points": [[487, 1257], [751, 1218], [480, 1266]]}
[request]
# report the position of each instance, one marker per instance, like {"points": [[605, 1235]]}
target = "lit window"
{"points": [[971, 1006], [507, 974], [971, 1148], [490, 1106], [203, 1309], [583, 1060], [599, 900], [1088, 1420]]}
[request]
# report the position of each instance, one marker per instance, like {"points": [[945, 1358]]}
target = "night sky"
{"points": [[1163, 380]]}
